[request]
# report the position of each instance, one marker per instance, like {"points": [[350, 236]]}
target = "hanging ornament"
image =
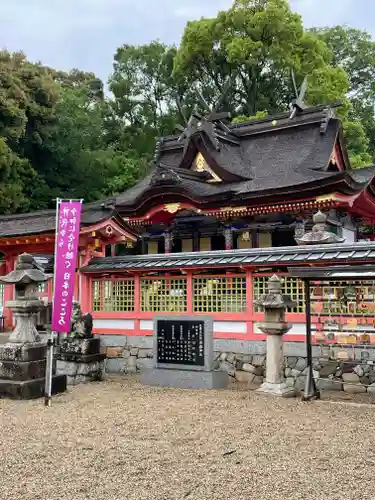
{"points": [[245, 236]]}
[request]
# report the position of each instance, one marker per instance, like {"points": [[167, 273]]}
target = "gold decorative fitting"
{"points": [[333, 158], [109, 230], [245, 236], [200, 165], [325, 198], [172, 208], [233, 209]]}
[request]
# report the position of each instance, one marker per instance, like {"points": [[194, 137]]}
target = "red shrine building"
{"points": [[223, 207]]}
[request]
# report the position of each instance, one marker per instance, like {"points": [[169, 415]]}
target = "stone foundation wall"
{"points": [[80, 373], [245, 362]]}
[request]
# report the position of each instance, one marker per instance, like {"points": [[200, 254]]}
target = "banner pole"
{"points": [[49, 370], [50, 342]]}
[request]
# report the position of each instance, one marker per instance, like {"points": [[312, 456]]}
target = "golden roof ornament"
{"points": [[172, 208]]}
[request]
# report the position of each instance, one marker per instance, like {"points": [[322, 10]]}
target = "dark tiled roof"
{"points": [[44, 221], [265, 257], [275, 155], [364, 272], [362, 175]]}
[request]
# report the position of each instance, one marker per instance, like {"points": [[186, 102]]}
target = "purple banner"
{"points": [[69, 218]]}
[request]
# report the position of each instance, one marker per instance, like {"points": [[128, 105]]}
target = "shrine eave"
{"points": [[39, 227], [275, 163], [334, 272], [323, 202], [340, 189], [256, 257]]}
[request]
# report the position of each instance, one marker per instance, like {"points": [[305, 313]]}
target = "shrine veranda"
{"points": [[223, 208]]}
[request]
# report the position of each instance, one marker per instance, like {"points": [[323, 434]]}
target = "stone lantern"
{"points": [[26, 277], [23, 357], [274, 326], [318, 234]]}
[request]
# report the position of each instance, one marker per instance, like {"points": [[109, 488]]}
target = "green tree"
{"points": [[354, 51], [257, 43], [144, 102], [77, 79], [15, 174], [79, 162], [27, 98]]}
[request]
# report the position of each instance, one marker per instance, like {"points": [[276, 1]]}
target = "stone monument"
{"points": [[23, 357], [183, 354], [274, 326], [79, 356]]}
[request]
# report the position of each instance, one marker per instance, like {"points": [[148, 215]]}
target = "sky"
{"points": [[84, 34]]}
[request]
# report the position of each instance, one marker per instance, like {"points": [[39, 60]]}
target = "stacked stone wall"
{"points": [[245, 363]]}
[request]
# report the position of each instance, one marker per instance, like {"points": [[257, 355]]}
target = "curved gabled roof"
{"points": [[43, 221], [270, 159]]}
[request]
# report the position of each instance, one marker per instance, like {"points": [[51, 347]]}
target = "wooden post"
{"points": [[137, 301], [10, 261], [189, 292], [228, 237]]}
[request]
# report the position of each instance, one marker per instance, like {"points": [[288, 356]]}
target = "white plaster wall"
{"points": [[146, 324], [118, 324], [230, 326], [297, 329]]}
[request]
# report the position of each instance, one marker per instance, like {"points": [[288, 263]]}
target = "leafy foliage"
{"points": [[143, 88], [60, 135], [354, 51]]}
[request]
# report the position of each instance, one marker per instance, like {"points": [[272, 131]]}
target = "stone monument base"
{"points": [[30, 389], [80, 360], [281, 390], [81, 368], [184, 379]]}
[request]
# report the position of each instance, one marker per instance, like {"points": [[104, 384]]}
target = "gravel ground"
{"points": [[118, 440]]}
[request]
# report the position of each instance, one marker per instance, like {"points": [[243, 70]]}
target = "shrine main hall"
{"points": [[223, 207]]}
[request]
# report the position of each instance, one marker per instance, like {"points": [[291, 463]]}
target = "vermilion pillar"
{"points": [[189, 292], [84, 284], [10, 262]]}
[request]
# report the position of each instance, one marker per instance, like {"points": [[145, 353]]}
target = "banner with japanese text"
{"points": [[68, 215]]}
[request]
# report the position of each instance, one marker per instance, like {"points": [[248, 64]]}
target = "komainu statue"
{"points": [[81, 326]]}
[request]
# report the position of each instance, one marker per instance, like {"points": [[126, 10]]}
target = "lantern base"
{"points": [[22, 371], [281, 390], [30, 389]]}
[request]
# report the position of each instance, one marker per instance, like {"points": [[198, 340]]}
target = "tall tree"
{"points": [[258, 43], [77, 79], [27, 98], [54, 139], [143, 91], [79, 162], [354, 51]]}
